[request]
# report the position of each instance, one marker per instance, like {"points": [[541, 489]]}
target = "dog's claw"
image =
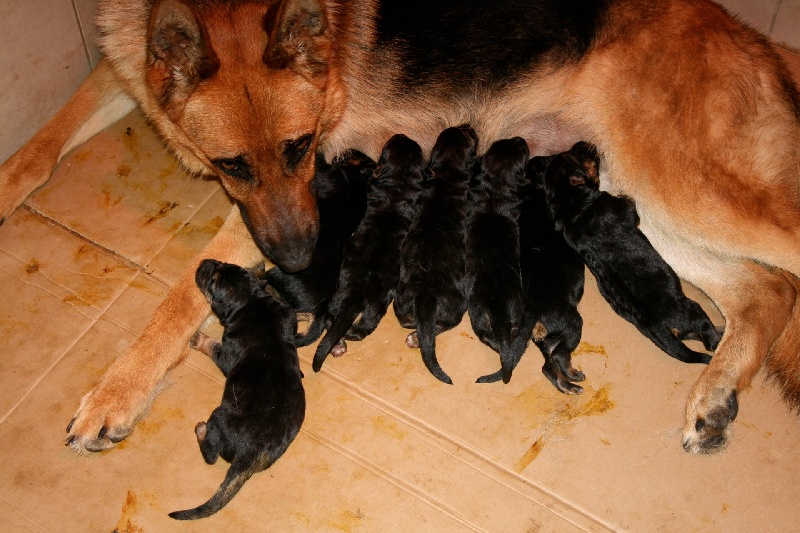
{"points": [[710, 431], [101, 435], [69, 426], [70, 440]]}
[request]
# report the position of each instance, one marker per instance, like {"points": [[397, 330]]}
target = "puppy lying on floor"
{"points": [[552, 286], [494, 283], [264, 403], [631, 275], [430, 294], [341, 193], [371, 266]]}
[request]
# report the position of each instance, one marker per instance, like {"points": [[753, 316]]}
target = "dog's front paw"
{"points": [[108, 413], [708, 420]]}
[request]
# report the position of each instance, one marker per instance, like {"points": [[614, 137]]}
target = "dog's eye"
{"points": [[294, 151], [236, 168]]}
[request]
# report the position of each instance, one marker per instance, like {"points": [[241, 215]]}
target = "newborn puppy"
{"points": [[371, 266], [341, 192], [430, 294], [638, 284], [263, 405], [494, 283], [552, 286]]}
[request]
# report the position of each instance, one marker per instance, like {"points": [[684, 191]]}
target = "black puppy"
{"points": [[552, 286], [633, 278], [341, 192], [430, 295], [494, 283], [264, 403], [371, 265]]}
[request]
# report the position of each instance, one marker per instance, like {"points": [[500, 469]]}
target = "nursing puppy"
{"points": [[341, 192], [430, 295], [264, 403], [552, 286], [371, 266], [631, 275], [494, 283]]}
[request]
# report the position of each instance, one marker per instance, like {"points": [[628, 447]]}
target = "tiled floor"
{"points": [[385, 447]]}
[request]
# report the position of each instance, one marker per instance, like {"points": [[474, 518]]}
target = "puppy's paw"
{"points": [[560, 381], [108, 413], [708, 421], [412, 341], [339, 349]]}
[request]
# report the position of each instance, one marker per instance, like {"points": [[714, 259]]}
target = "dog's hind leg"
{"points": [[663, 338], [98, 103], [108, 413], [368, 321]]}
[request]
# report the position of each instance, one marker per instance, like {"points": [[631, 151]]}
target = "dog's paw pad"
{"points": [[412, 341], [709, 433], [339, 349]]}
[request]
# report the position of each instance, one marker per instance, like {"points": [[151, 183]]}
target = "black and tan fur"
{"points": [[693, 112]]}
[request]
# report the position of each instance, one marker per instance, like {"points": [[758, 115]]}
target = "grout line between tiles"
{"points": [[395, 480], [36, 526], [55, 223], [774, 18], [83, 35], [60, 358], [174, 235], [424, 428]]}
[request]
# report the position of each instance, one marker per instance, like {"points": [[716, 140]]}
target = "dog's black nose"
{"points": [[294, 258]]}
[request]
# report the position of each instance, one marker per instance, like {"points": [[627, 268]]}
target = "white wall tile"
{"points": [[42, 59], [86, 10], [757, 13], [787, 24]]}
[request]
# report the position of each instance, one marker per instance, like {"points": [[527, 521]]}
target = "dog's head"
{"points": [[455, 147], [227, 287], [247, 91], [572, 180]]}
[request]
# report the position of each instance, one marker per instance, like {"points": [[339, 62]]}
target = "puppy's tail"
{"points": [[234, 480], [312, 334], [341, 323], [783, 360], [517, 350], [426, 333]]}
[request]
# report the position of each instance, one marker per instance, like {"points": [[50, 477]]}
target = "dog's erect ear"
{"points": [[179, 52], [298, 39]]}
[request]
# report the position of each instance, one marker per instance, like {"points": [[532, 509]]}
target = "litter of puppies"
{"points": [[500, 236]]}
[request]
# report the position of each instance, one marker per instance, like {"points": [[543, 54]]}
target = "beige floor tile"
{"points": [[123, 191]]}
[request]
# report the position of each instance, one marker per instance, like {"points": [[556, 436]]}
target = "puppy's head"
{"points": [[401, 159], [227, 287], [587, 156], [455, 147], [537, 169], [506, 159], [244, 91]]}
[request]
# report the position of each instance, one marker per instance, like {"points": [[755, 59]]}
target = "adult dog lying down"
{"points": [[695, 115]]}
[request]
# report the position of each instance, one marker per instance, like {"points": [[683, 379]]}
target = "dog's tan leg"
{"points": [[756, 303], [99, 102], [108, 413]]}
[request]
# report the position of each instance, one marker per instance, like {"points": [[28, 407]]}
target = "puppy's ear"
{"points": [[179, 53], [576, 180], [298, 39]]}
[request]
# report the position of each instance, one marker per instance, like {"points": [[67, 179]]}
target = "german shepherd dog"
{"points": [[430, 295], [637, 283], [552, 285], [249, 90], [371, 267], [264, 403], [493, 277], [341, 193]]}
